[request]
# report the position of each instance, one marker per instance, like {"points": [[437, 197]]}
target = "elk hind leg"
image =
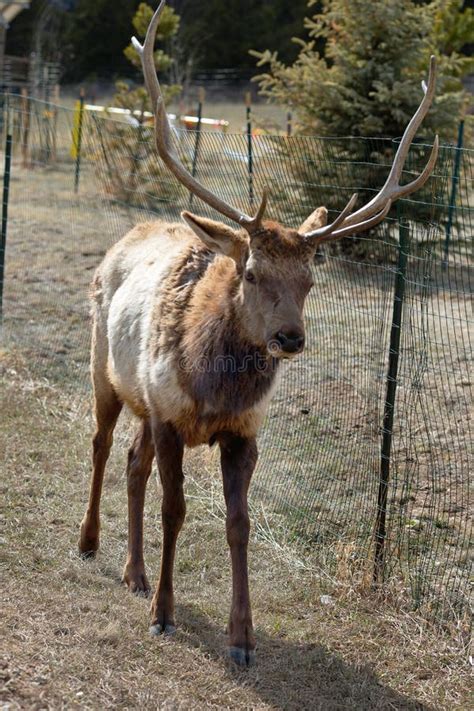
{"points": [[140, 459]]}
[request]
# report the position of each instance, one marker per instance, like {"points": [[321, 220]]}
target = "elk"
{"points": [[169, 303]]}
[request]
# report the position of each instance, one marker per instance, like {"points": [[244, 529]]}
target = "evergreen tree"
{"points": [[366, 82], [222, 33], [358, 75], [138, 98], [96, 32], [218, 33], [131, 161]]}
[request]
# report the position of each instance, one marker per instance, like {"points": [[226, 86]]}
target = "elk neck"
{"points": [[203, 324]]}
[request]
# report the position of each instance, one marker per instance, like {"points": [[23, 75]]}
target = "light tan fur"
{"points": [[133, 323]]}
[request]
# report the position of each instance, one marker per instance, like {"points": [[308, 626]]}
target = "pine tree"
{"points": [[138, 98], [359, 76], [131, 162], [367, 80]]}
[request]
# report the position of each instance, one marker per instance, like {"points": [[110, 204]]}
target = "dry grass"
{"points": [[74, 637]]}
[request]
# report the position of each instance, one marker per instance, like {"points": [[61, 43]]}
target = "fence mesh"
{"points": [[79, 181]]}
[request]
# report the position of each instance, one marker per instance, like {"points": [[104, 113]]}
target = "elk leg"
{"points": [[169, 454], [238, 460], [107, 408], [140, 459]]}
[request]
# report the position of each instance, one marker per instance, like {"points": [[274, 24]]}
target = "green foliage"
{"points": [[97, 31], [452, 29], [132, 99], [138, 98], [168, 28], [358, 74], [367, 79], [133, 166], [222, 33], [169, 21], [218, 33]]}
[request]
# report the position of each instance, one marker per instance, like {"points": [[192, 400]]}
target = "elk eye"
{"points": [[250, 276]]}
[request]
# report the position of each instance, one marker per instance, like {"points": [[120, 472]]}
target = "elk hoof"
{"points": [[87, 555], [88, 542], [136, 582], [242, 657], [142, 589], [88, 547], [168, 630]]}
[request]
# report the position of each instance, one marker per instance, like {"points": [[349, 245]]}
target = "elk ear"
{"points": [[317, 219], [218, 237]]}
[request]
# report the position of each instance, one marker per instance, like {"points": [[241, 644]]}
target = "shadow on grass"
{"points": [[290, 675]]}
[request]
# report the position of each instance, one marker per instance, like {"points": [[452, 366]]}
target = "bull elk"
{"points": [[170, 303]]}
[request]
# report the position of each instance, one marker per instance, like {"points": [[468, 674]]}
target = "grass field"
{"points": [[321, 442], [74, 637], [72, 634]]}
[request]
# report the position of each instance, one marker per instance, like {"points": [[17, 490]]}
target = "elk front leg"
{"points": [[238, 460], [140, 459], [169, 454]]}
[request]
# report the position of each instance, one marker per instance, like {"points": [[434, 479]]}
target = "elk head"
{"points": [[273, 262]]}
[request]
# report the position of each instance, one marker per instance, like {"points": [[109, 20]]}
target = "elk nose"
{"points": [[290, 341]]}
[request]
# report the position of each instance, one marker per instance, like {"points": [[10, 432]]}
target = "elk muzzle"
{"points": [[287, 342]]}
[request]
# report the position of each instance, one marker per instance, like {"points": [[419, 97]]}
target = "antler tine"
{"points": [[328, 229], [360, 226], [256, 221], [163, 136], [424, 175], [391, 190]]}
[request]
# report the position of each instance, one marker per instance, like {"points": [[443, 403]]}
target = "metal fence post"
{"points": [[454, 189], [248, 102], [6, 193], [25, 128], [389, 409], [202, 95], [79, 142]]}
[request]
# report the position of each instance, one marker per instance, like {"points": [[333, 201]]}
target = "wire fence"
{"points": [[365, 451]]}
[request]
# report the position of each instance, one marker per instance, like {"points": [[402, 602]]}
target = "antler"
{"points": [[374, 211], [163, 136]]}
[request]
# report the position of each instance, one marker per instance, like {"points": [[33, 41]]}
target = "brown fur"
{"points": [[169, 308], [184, 329]]}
